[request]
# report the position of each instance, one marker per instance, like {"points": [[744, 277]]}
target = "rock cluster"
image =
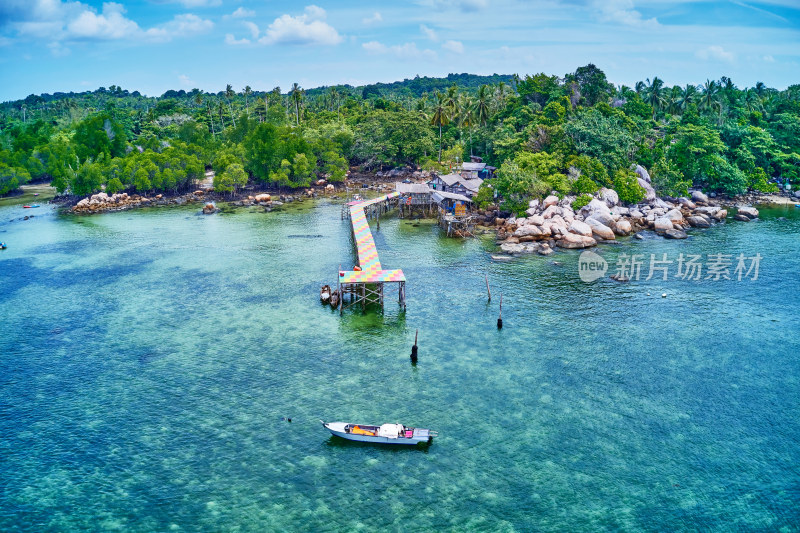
{"points": [[554, 223], [116, 202], [405, 173]]}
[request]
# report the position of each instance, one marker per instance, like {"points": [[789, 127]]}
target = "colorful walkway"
{"points": [[371, 269]]}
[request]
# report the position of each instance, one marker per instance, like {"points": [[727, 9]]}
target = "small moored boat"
{"points": [[26, 207], [3, 246], [325, 293], [383, 434], [335, 299]]}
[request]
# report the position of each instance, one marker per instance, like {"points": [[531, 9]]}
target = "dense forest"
{"points": [[570, 134]]}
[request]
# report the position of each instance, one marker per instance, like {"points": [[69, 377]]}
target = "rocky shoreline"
{"points": [[553, 223]]}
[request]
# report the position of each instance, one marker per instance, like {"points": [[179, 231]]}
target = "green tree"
{"points": [[668, 180], [539, 88], [627, 187], [12, 177], [594, 87], [301, 170], [280, 176]]}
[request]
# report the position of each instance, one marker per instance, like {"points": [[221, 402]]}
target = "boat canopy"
{"points": [[391, 431]]}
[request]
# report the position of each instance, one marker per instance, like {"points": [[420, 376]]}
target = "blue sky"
{"points": [[155, 45]]}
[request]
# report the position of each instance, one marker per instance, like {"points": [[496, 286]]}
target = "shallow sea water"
{"points": [[147, 358]]}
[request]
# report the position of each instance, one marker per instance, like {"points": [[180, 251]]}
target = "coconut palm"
{"points": [[482, 106], [709, 99], [451, 100], [640, 88], [230, 93], [655, 94], [441, 117], [752, 100], [688, 96], [221, 114], [210, 116], [247, 92], [296, 94]]}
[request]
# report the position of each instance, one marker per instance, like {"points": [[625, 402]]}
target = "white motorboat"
{"points": [[383, 434]]}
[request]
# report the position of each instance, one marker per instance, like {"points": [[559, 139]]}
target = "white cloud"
{"points": [[58, 49], [374, 47], [428, 32], [185, 80], [464, 5], [252, 27], [715, 53], [179, 26], [308, 28], [374, 19], [242, 13], [454, 46], [58, 22], [110, 24], [769, 59], [197, 3], [622, 12], [407, 51], [231, 40]]}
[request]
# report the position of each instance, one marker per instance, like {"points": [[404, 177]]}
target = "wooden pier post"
{"points": [[500, 318], [486, 277]]}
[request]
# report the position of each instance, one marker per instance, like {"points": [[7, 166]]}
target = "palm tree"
{"points": [[451, 100], [210, 118], [655, 96], [752, 101], [464, 115], [221, 111], [760, 88], [640, 87], [482, 106], [440, 117], [688, 96], [296, 94], [247, 92], [710, 92], [229, 93], [501, 93]]}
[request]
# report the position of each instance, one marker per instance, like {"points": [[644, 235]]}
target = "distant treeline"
{"points": [[569, 134]]}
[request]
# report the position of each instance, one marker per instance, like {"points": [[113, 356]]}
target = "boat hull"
{"points": [[338, 430]]}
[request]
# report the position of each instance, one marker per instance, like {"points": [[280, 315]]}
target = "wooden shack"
{"points": [[414, 197]]}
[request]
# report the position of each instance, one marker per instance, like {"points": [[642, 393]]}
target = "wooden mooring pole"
{"points": [[500, 318], [489, 292], [414, 349]]}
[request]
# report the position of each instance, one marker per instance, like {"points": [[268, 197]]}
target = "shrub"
{"points": [[757, 181], [581, 201], [628, 188]]}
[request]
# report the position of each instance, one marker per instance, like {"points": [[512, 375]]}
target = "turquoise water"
{"points": [[148, 357]]}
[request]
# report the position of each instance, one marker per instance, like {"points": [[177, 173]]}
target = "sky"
{"points": [[155, 45]]}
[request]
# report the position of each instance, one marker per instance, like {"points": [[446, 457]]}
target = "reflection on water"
{"points": [[148, 357]]}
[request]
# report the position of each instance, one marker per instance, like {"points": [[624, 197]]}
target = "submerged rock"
{"points": [[698, 222], [572, 240], [675, 234], [749, 212]]}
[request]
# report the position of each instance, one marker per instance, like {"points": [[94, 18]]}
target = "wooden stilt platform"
{"points": [[367, 285]]}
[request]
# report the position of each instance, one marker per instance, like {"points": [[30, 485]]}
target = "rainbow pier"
{"points": [[366, 285]]}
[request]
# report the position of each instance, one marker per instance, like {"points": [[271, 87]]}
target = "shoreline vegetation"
{"points": [[571, 152]]}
